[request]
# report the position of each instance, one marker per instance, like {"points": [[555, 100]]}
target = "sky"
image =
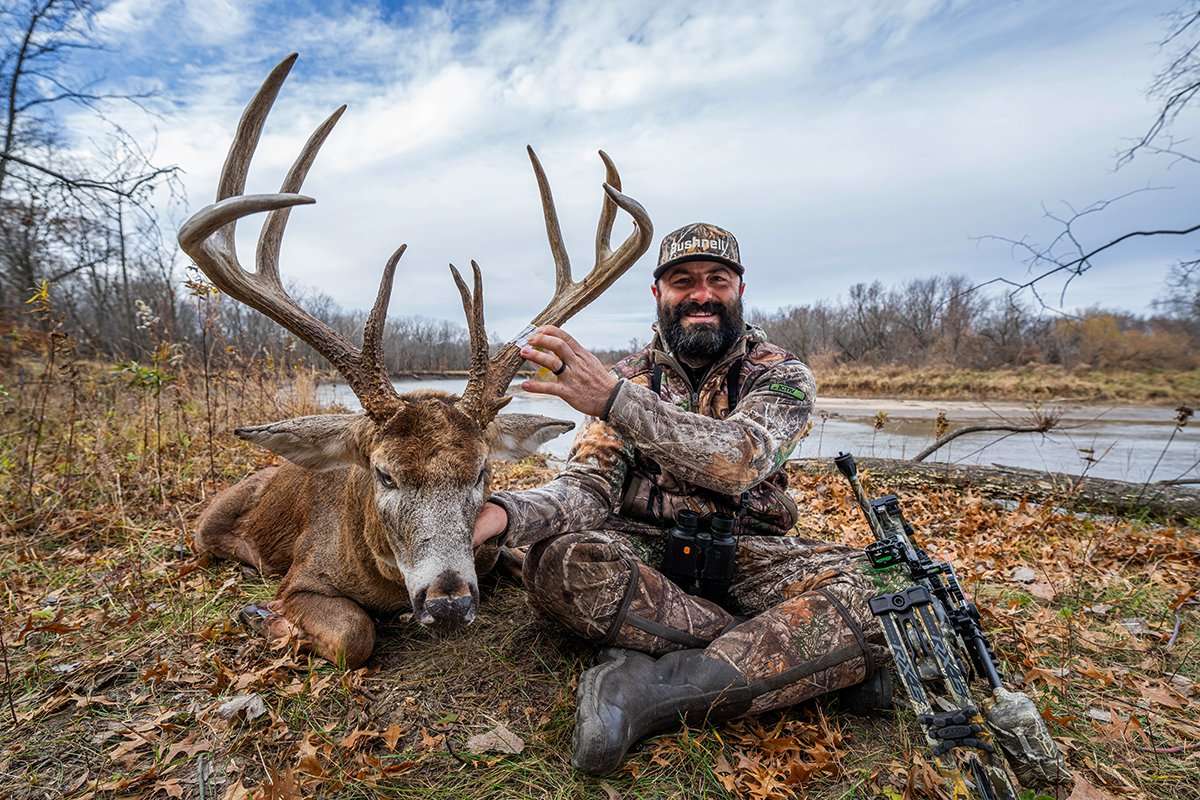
{"points": [[840, 142]]}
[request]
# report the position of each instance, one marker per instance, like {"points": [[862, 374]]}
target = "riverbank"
{"points": [[1045, 383], [1040, 382]]}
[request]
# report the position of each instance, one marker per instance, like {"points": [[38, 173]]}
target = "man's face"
{"points": [[699, 309]]}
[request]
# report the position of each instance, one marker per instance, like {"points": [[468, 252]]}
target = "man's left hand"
{"points": [[582, 381]]}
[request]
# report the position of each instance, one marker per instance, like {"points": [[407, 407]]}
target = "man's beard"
{"points": [[700, 341]]}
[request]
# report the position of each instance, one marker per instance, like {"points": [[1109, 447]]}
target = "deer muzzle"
{"points": [[450, 601]]}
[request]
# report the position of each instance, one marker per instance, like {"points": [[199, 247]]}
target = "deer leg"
{"points": [[219, 530], [335, 628]]}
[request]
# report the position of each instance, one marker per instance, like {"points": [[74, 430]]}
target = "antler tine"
{"points": [[474, 399], [245, 141], [637, 243], [196, 231], [266, 258], [562, 262], [608, 209], [374, 380], [569, 296], [208, 237]]}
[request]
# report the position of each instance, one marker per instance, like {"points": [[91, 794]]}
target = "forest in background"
{"points": [[85, 259]]}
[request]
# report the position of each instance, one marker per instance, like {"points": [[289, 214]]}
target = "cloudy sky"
{"points": [[841, 142]]}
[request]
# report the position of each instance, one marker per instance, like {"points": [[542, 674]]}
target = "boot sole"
{"points": [[586, 738]]}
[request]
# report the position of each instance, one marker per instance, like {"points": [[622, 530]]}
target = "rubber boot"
{"points": [[872, 695], [630, 695]]}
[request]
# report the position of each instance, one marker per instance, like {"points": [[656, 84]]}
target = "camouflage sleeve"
{"points": [[579, 498], [729, 455]]}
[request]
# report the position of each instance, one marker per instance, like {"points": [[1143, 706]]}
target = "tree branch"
{"points": [[121, 188]]}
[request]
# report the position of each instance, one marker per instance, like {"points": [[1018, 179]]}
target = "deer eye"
{"points": [[385, 479], [479, 479]]}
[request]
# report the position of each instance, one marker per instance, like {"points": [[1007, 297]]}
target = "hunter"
{"points": [[703, 419]]}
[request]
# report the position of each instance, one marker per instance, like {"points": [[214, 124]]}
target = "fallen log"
{"points": [[1096, 495]]}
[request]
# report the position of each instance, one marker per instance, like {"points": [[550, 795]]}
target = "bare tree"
{"points": [[41, 37], [85, 229], [1068, 256]]}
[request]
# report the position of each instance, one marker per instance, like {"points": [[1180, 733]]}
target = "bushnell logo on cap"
{"points": [[695, 242]]}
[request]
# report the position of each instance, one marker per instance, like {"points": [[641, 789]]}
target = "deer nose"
{"points": [[450, 600]]}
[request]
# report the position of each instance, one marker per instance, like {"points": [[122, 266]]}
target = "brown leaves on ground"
{"points": [[121, 645], [764, 763]]}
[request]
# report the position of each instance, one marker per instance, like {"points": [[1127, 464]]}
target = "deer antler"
{"points": [[484, 395], [208, 237]]}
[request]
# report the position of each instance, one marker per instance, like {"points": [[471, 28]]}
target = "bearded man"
{"points": [[702, 419]]}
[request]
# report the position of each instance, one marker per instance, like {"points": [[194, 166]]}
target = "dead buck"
{"points": [[374, 512]]}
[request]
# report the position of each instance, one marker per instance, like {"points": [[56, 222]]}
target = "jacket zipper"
{"points": [[694, 391]]}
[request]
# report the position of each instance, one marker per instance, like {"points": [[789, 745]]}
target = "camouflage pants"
{"points": [[809, 631]]}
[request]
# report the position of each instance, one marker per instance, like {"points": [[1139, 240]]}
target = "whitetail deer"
{"points": [[375, 511]]}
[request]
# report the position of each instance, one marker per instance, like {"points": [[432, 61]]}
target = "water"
{"points": [[1124, 441]]}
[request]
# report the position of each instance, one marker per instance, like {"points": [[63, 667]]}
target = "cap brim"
{"points": [[729, 262]]}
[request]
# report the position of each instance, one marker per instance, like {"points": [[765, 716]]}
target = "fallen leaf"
{"points": [[359, 735], [282, 786], [1051, 676], [1160, 696], [187, 747], [157, 673], [173, 788], [392, 735], [1042, 591], [307, 759], [431, 742], [1182, 683], [1023, 575], [251, 704], [1117, 728], [1084, 790], [132, 743], [228, 584], [1137, 626], [498, 740], [1090, 670], [236, 791]]}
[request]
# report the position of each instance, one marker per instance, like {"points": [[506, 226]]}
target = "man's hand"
{"points": [[490, 523], [583, 382]]}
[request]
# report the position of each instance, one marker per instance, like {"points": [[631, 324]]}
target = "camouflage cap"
{"points": [[698, 241]]}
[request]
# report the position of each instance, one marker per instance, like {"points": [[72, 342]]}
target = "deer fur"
{"points": [[344, 541]]}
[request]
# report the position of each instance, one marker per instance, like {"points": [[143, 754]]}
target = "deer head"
{"points": [[421, 457]]}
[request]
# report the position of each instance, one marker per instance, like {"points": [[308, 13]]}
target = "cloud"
{"points": [[123, 18], [841, 143]]}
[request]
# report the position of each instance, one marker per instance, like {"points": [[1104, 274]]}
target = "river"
{"points": [[1106, 441]]}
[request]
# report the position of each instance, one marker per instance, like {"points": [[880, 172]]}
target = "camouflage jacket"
{"points": [[683, 447]]}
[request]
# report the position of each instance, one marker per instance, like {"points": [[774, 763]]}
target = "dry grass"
{"points": [[1034, 383], [121, 645]]}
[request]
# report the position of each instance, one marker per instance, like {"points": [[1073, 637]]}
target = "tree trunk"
{"points": [[1100, 495]]}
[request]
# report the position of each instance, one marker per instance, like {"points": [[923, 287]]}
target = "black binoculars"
{"points": [[700, 554]]}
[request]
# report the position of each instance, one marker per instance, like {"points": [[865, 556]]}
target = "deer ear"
{"points": [[513, 436], [323, 441]]}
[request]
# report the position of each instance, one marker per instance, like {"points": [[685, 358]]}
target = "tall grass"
{"points": [[128, 441]]}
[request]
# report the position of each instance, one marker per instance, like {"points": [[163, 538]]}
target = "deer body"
{"points": [[343, 541], [374, 512], [310, 527]]}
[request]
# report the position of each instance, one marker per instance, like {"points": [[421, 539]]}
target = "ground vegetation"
{"points": [[126, 673]]}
